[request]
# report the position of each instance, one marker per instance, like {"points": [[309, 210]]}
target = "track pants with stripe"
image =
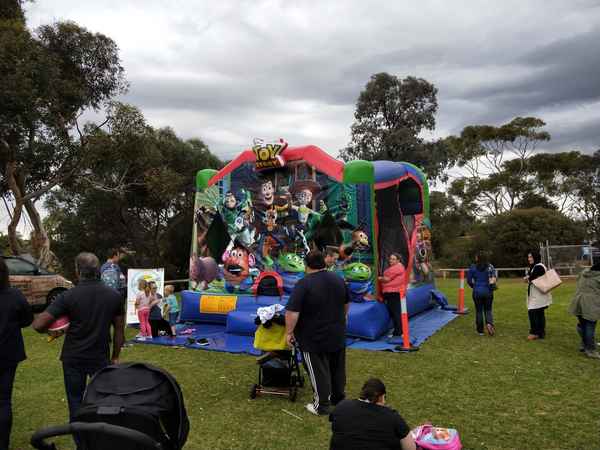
{"points": [[327, 374]]}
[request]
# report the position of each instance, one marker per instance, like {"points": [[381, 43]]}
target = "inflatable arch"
{"points": [[257, 217]]}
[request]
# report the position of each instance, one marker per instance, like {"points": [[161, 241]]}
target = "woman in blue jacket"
{"points": [[480, 277]]}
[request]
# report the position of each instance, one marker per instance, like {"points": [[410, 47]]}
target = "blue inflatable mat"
{"points": [[422, 327], [241, 322], [218, 340], [367, 320]]}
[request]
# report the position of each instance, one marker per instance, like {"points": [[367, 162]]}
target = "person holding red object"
{"points": [[93, 309]]}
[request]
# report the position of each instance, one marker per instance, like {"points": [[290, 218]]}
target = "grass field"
{"points": [[500, 393]]}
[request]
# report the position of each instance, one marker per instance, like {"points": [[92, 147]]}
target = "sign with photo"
{"points": [[133, 279]]}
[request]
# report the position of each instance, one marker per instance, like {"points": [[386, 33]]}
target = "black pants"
{"points": [[76, 374], [483, 307], [537, 322], [7, 378], [327, 374], [157, 325], [392, 301]]}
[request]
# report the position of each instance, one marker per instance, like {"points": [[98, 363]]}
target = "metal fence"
{"points": [[567, 260]]}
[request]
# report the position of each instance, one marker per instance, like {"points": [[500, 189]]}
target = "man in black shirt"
{"points": [[367, 424], [316, 318], [92, 307]]}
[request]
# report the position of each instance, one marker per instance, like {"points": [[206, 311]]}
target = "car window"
{"points": [[20, 267]]}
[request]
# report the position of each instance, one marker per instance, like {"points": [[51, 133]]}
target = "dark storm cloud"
{"points": [[230, 71], [563, 72]]}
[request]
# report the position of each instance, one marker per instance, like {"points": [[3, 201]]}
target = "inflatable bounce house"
{"points": [[256, 218]]}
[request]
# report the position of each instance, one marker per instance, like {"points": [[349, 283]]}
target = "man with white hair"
{"points": [[92, 308]]}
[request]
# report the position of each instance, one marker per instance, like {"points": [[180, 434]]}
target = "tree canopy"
{"points": [[137, 192], [50, 77], [391, 113]]}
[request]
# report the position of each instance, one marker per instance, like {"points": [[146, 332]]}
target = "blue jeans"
{"points": [[483, 307], [587, 331], [76, 375], [7, 378]]}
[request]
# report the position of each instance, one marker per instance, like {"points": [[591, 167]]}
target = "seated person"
{"points": [[367, 424]]}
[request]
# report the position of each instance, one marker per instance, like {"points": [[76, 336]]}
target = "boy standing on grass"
{"points": [[171, 307]]}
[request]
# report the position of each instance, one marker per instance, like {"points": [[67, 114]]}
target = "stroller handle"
{"points": [[133, 436]]}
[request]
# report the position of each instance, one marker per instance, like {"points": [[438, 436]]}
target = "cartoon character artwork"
{"points": [[422, 271], [238, 216], [237, 264], [266, 193], [291, 268], [304, 191], [358, 278], [360, 242], [203, 271], [229, 210]]}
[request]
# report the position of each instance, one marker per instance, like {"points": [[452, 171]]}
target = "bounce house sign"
{"points": [[256, 219], [268, 156]]}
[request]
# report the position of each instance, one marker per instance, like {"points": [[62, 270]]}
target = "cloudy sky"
{"points": [[230, 71]]}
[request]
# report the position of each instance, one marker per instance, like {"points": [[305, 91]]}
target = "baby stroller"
{"points": [[279, 368], [133, 405]]}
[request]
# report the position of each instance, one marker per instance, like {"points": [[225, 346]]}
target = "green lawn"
{"points": [[500, 393]]}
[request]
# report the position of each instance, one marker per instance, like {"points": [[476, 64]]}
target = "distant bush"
{"points": [[508, 237]]}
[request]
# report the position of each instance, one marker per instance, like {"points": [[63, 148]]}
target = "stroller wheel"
{"points": [[254, 391], [293, 393]]}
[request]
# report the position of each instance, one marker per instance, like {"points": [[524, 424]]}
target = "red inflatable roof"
{"points": [[312, 154]]}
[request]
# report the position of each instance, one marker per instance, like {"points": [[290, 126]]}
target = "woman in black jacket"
{"points": [[15, 313]]}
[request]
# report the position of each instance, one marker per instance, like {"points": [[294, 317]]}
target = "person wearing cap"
{"points": [[315, 319], [368, 424], [586, 305]]}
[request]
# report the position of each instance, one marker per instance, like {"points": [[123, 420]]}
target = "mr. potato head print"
{"points": [[237, 263]]}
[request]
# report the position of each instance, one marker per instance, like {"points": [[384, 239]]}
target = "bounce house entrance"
{"points": [[391, 234]]}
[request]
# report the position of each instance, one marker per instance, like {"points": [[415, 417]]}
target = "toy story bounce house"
{"points": [[256, 218]]}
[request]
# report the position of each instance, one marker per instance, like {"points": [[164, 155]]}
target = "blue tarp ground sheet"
{"points": [[422, 326]]}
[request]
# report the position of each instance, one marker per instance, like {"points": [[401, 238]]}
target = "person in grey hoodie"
{"points": [[586, 305]]}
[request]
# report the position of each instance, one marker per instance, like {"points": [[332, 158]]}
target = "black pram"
{"points": [[131, 406], [279, 368]]}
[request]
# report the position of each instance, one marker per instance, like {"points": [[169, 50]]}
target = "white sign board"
{"points": [[133, 278]]}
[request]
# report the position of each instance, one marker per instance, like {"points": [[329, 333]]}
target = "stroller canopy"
{"points": [[135, 388]]}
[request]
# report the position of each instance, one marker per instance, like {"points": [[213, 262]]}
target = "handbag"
{"points": [[548, 281], [492, 278]]}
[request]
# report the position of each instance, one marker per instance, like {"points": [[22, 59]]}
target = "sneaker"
{"points": [[592, 354], [532, 337], [490, 329], [311, 409], [481, 334]]}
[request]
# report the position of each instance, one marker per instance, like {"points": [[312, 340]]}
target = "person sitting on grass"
{"points": [[368, 424]]}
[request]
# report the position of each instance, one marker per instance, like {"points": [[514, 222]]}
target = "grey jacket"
{"points": [[586, 302]]}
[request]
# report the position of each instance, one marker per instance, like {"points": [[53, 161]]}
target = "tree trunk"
{"points": [[13, 240], [40, 243]]}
